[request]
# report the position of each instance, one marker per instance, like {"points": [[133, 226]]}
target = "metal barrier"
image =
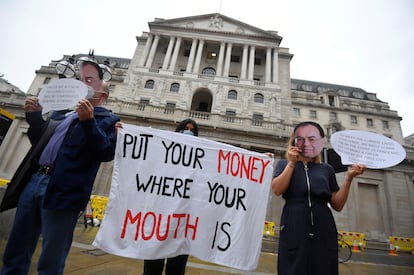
{"points": [[402, 244], [4, 182], [269, 229], [351, 237], [98, 205]]}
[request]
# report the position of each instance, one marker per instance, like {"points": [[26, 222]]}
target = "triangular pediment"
{"points": [[214, 22]]}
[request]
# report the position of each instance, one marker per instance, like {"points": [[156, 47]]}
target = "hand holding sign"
{"points": [[62, 94], [374, 150]]}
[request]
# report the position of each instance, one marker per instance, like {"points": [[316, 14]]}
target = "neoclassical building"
{"points": [[234, 80]]}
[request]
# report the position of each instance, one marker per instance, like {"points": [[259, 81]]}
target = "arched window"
{"points": [[232, 94], [209, 71], [175, 87], [258, 98], [149, 84]]}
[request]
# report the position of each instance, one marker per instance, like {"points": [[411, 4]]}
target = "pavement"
{"points": [[86, 259]]}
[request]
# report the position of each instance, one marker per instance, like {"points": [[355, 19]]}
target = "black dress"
{"points": [[308, 235]]}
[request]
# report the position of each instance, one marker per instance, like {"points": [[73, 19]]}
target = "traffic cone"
{"points": [[393, 251], [355, 248]]}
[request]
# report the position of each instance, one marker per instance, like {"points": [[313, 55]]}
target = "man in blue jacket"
{"points": [[57, 175]]}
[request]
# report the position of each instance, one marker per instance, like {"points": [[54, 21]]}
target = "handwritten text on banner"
{"points": [[176, 194]]}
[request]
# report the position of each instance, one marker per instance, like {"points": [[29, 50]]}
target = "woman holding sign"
{"points": [[308, 234], [175, 265]]}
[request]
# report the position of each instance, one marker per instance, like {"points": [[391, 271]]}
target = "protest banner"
{"points": [[374, 150], [174, 194]]}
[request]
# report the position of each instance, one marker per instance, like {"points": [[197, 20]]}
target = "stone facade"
{"points": [[234, 80]]}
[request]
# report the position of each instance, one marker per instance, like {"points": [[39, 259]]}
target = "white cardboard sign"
{"points": [[374, 150], [61, 94], [175, 194]]}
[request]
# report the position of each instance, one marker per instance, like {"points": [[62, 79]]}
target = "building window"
{"points": [[333, 116], [331, 100], [175, 87], [322, 100], [313, 114], [258, 98], [149, 84], [209, 71], [354, 120], [187, 52], [212, 55], [257, 120], [370, 122], [169, 108], [111, 88], [47, 80], [307, 87], [257, 61], [232, 94], [296, 112], [385, 125], [230, 115], [142, 103], [235, 58]]}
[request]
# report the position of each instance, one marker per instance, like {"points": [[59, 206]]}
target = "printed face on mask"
{"points": [[90, 76], [309, 140]]}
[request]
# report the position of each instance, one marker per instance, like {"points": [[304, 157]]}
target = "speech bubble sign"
{"points": [[62, 94], [374, 150]]}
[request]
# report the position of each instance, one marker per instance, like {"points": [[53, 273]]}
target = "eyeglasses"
{"points": [[299, 141]]}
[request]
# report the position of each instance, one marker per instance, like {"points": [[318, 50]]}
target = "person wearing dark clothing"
{"points": [[308, 235], [57, 176], [175, 265]]}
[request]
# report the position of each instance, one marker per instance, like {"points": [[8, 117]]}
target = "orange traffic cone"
{"points": [[393, 251], [355, 248]]}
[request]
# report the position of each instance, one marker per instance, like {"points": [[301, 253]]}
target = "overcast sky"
{"points": [[361, 43]]}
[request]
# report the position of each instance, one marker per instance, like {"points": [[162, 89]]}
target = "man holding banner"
{"points": [[54, 182]]}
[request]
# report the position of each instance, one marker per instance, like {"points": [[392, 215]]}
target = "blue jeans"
{"points": [[31, 220]]}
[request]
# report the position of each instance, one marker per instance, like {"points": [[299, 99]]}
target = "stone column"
{"points": [[268, 78], [244, 62], [152, 52], [175, 54], [275, 65], [146, 50], [251, 62], [168, 53], [220, 59], [196, 68], [227, 61], [191, 57]]}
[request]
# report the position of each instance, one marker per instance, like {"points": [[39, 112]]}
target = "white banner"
{"points": [[176, 194]]}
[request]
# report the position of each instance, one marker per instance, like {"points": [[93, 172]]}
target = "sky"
{"points": [[367, 44]]}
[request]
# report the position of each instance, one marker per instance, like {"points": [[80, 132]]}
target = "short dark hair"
{"points": [[182, 124], [306, 123], [96, 65]]}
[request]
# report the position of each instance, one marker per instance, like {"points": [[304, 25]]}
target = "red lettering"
{"points": [[224, 157], [252, 167], [149, 225], [189, 226]]}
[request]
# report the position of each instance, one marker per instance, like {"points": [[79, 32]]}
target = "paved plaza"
{"points": [[86, 259]]}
